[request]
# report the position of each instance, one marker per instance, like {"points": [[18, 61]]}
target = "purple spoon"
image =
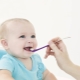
{"points": [[46, 46], [39, 48]]}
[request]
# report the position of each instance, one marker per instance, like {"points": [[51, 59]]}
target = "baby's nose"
{"points": [[29, 41]]}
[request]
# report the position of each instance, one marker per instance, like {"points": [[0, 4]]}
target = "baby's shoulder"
{"points": [[8, 58], [7, 62], [2, 53]]}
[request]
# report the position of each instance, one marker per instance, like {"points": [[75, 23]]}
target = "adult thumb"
{"points": [[54, 47]]}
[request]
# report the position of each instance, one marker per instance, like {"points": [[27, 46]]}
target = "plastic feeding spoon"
{"points": [[46, 45]]}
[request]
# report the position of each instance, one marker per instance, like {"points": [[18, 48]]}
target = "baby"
{"points": [[18, 37]]}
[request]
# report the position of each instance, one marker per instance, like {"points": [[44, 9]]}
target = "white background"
{"points": [[51, 18]]}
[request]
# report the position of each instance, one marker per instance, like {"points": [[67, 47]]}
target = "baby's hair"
{"points": [[3, 26]]}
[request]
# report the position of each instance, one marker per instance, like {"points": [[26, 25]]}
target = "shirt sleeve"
{"points": [[6, 64]]}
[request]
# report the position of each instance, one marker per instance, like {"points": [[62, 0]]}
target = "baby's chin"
{"points": [[24, 56]]}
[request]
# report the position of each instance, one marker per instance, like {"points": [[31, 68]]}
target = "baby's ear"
{"points": [[4, 43]]}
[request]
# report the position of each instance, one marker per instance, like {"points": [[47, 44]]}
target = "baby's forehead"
{"points": [[17, 23], [20, 26]]}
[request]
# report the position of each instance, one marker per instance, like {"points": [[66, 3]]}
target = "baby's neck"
{"points": [[24, 60]]}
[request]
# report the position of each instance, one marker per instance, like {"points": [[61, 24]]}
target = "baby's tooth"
{"points": [[31, 49]]}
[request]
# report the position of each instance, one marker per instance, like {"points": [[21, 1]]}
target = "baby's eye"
{"points": [[22, 36], [33, 36]]}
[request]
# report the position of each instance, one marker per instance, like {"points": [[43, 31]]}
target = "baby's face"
{"points": [[21, 38]]}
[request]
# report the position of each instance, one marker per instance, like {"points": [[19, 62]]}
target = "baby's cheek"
{"points": [[36, 45]]}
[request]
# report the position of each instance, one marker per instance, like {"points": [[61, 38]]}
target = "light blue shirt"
{"points": [[2, 52], [19, 71]]}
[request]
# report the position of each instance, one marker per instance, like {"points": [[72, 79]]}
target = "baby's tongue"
{"points": [[27, 48]]}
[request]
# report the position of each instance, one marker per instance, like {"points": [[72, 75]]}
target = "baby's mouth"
{"points": [[28, 48]]}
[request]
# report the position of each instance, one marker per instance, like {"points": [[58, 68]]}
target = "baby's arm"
{"points": [[48, 75], [5, 75]]}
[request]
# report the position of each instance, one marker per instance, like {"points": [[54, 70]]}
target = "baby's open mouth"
{"points": [[28, 48]]}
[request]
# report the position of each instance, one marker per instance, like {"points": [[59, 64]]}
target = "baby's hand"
{"points": [[58, 49]]}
